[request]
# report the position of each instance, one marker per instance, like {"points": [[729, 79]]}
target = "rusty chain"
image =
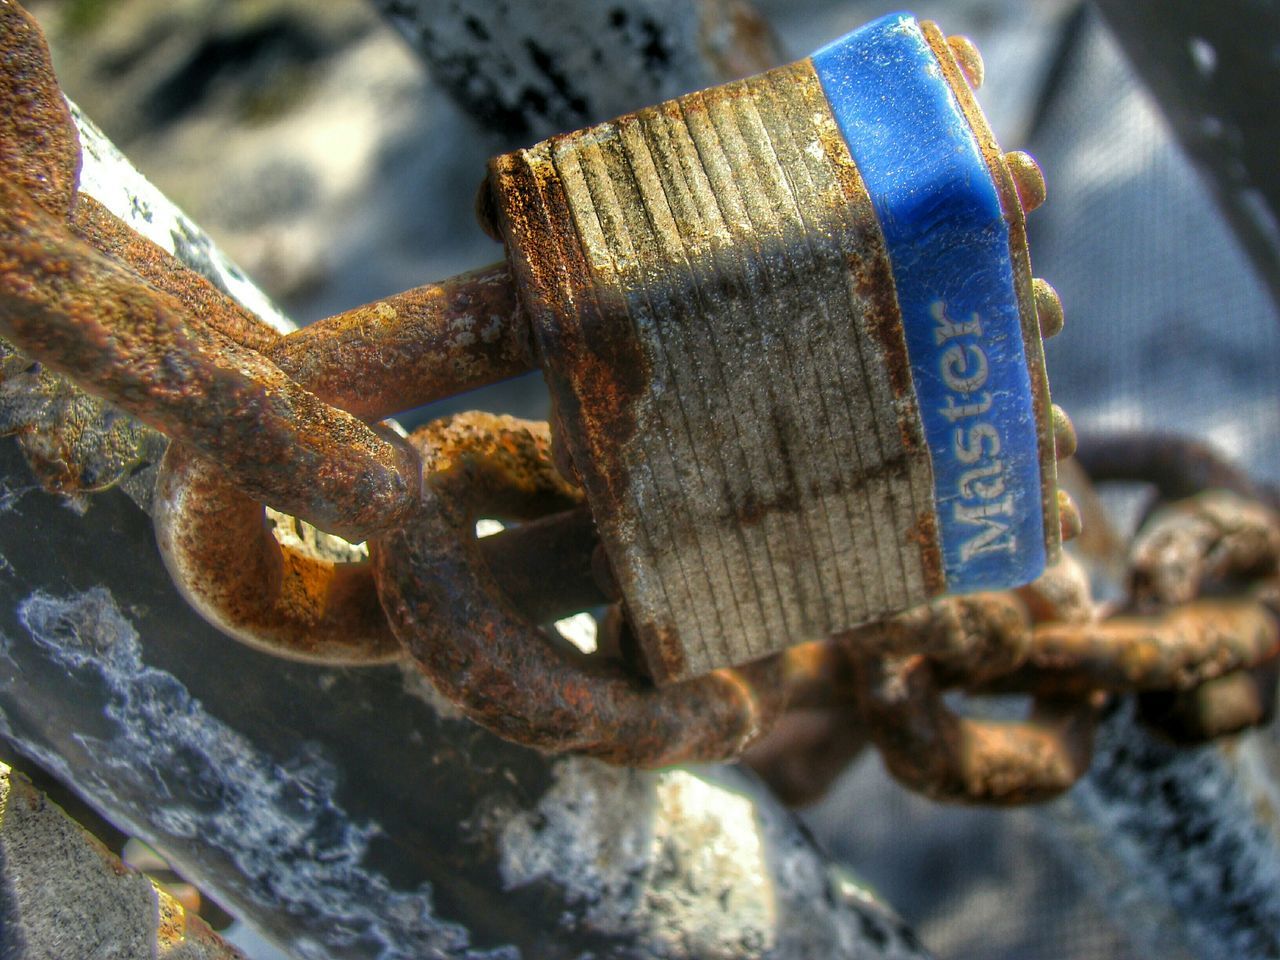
{"points": [[294, 423]]}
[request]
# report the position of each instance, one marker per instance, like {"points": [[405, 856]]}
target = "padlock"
{"points": [[791, 336]]}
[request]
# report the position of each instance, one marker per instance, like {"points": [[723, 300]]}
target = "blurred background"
{"points": [[309, 140]]}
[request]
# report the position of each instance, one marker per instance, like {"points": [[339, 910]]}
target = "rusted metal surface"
{"points": [[1200, 654], [1208, 541], [494, 663], [930, 748], [1176, 650], [224, 558], [822, 730], [162, 270], [63, 894], [149, 717], [997, 762], [410, 349], [1232, 703], [72, 440], [904, 665], [304, 605], [39, 152], [731, 511]]}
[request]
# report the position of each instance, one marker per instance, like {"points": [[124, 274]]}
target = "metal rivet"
{"points": [[1064, 434], [1069, 522], [1028, 179], [968, 59], [1048, 308]]}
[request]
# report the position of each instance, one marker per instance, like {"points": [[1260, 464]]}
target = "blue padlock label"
{"points": [[949, 246]]}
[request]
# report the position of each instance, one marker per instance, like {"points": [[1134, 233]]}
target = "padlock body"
{"points": [[782, 326]]}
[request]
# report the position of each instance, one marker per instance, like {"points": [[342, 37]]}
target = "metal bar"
{"points": [[508, 64], [494, 663], [63, 894]]}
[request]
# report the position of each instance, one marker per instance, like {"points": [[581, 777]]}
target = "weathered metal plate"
{"points": [[714, 303], [748, 437]]}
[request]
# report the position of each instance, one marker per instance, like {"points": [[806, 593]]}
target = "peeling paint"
{"points": [[258, 810]]}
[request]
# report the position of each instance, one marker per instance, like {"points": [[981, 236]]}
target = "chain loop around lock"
{"points": [[497, 665], [222, 555]]}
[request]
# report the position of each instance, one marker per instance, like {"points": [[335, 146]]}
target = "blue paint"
{"points": [[949, 246]]}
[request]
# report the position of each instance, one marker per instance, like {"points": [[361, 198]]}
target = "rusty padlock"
{"points": [[794, 345]]}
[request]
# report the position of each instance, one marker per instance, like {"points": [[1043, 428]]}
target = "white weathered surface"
{"points": [[108, 177]]}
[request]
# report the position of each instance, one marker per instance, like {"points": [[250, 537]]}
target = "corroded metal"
{"points": [[714, 305], [162, 270], [1176, 650], [494, 663], [930, 748], [1202, 666], [319, 605], [719, 210], [1213, 539], [39, 152], [965, 642], [549, 852], [224, 558]]}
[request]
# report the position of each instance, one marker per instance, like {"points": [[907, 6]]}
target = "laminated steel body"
{"points": [[733, 311]]}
